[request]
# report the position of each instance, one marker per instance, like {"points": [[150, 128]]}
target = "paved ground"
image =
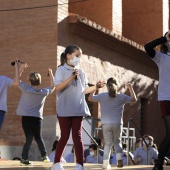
{"points": [[14, 165]]}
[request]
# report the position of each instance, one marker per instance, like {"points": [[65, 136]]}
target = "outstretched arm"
{"points": [[16, 77], [22, 67], [132, 93], [149, 47], [50, 73], [91, 95], [99, 84]]}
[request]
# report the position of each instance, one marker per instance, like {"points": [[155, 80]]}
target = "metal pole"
{"points": [[147, 156], [128, 143], [142, 139], [94, 142]]}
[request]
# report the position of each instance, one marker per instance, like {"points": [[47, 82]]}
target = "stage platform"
{"points": [[14, 165]]}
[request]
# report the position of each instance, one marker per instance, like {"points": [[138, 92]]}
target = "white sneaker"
{"points": [[57, 166], [79, 167], [106, 165]]}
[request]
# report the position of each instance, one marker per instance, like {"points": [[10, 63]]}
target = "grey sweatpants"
{"points": [[112, 134]]}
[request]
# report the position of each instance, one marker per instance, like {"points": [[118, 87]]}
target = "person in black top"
{"points": [[162, 59]]}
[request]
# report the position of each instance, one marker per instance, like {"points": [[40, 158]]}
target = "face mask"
{"points": [[75, 61], [147, 141], [92, 153]]}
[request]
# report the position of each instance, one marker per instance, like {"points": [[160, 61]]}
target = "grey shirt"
{"points": [[32, 100], [71, 100], [111, 108], [4, 83], [163, 62], [140, 152]]}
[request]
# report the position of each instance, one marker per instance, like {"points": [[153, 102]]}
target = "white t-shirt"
{"points": [[111, 108], [32, 100], [4, 83], [163, 62], [71, 100]]}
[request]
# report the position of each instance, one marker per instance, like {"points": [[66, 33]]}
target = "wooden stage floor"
{"points": [[14, 165]]}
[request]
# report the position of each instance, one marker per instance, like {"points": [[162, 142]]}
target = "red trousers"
{"points": [[66, 125]]}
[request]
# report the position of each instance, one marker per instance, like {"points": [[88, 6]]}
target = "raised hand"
{"points": [[50, 72], [75, 73], [100, 84], [128, 85]]}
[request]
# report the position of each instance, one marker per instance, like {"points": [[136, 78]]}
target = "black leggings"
{"points": [[32, 128], [166, 141]]}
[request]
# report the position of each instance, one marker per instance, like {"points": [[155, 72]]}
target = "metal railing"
{"points": [[131, 121], [94, 142], [124, 136]]}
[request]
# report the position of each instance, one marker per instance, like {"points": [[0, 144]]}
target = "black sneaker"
{"points": [[158, 164], [45, 159], [24, 162]]}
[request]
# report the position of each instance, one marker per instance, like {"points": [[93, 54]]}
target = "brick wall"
{"points": [[142, 20], [31, 36], [99, 11]]}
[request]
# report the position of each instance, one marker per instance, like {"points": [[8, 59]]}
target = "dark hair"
{"points": [[55, 145], [112, 87], [93, 146], [151, 139], [155, 146], [138, 140], [98, 140], [69, 50], [163, 47]]}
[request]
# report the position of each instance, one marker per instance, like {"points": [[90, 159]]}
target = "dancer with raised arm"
{"points": [[112, 106], [162, 59], [31, 109]]}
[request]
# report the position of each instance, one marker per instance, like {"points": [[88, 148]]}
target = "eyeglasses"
{"points": [[13, 63]]}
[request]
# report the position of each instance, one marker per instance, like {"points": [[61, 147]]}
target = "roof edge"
{"points": [[75, 18]]}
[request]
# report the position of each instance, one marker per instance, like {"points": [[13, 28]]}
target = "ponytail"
{"points": [[112, 87], [62, 59]]}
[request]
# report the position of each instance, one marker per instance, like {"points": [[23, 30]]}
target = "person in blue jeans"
{"points": [[31, 109], [4, 83]]}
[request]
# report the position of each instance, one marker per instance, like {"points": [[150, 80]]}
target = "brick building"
{"points": [[111, 34]]}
